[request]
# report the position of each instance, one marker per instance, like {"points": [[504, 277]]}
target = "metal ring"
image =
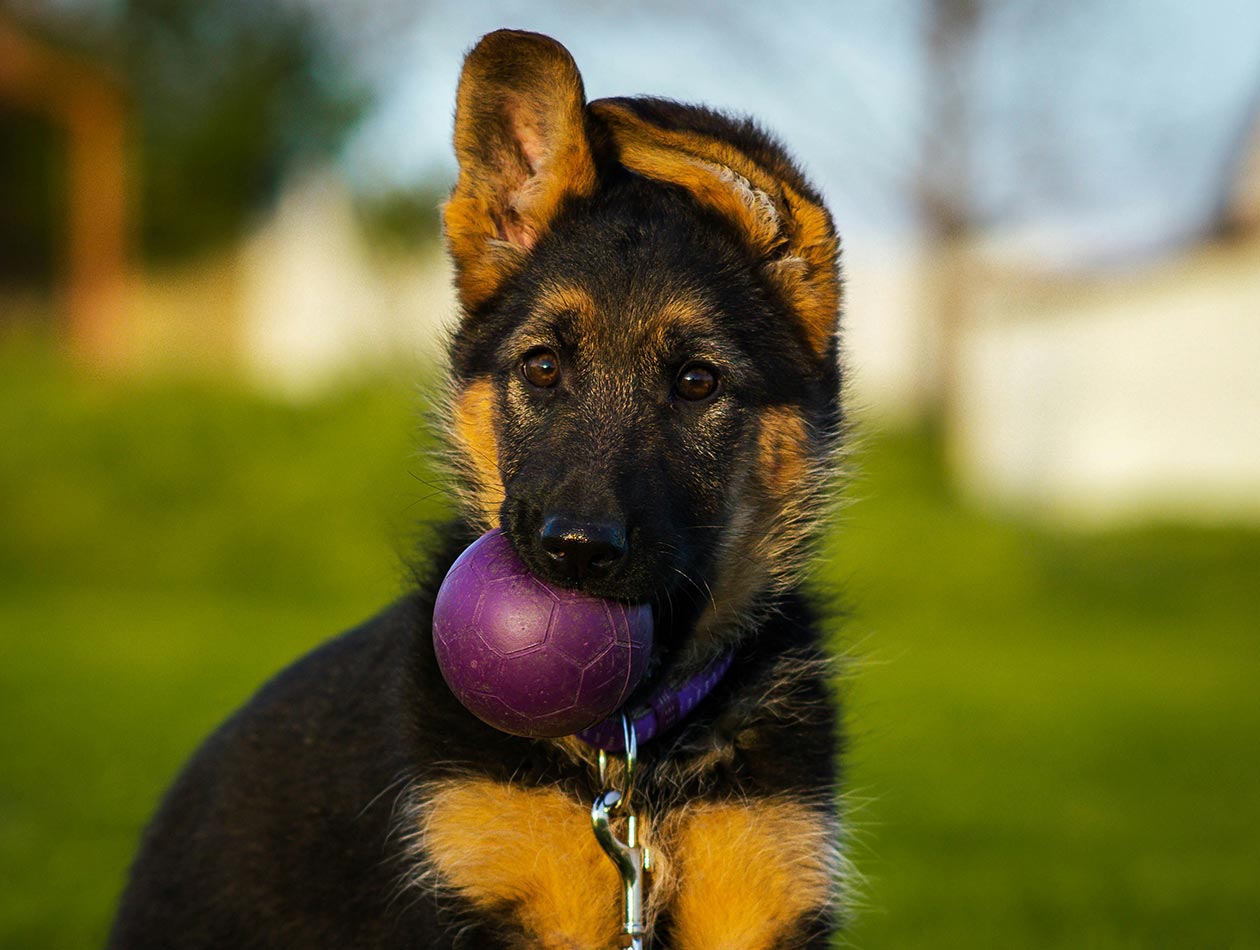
{"points": [[632, 755], [631, 758]]}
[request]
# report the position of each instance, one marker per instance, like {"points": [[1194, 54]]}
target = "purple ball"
{"points": [[532, 659]]}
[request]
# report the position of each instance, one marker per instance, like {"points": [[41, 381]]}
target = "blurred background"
{"points": [[222, 298]]}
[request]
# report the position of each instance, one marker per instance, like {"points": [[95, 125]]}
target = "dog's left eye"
{"points": [[696, 382], [542, 368]]}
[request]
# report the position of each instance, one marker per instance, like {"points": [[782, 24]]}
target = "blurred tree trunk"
{"points": [[1238, 204], [945, 190]]}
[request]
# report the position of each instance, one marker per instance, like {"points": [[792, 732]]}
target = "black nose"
{"points": [[580, 549]]}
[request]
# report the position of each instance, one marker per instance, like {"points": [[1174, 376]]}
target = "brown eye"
{"points": [[696, 382], [542, 368]]}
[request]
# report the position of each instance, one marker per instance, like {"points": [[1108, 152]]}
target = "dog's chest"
{"points": [[743, 873]]}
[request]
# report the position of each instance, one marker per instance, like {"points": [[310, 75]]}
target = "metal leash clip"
{"points": [[630, 858]]}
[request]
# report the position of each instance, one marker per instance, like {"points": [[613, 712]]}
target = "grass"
{"points": [[1054, 735]]}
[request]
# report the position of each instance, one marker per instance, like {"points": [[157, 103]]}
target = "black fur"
{"points": [[285, 830]]}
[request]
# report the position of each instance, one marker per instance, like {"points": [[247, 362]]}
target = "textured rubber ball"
{"points": [[529, 658]]}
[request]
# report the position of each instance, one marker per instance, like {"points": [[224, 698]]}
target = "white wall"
{"points": [[1083, 399], [316, 305], [1113, 399]]}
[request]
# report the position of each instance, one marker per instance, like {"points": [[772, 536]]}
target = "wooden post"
{"points": [[86, 102]]}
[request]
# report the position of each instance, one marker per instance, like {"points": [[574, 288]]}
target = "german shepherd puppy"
{"points": [[645, 396]]}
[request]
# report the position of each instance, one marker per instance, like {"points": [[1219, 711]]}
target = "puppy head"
{"points": [[645, 384]]}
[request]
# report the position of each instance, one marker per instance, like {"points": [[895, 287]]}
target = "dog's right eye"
{"points": [[696, 382], [541, 368]]}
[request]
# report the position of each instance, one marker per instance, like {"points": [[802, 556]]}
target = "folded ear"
{"points": [[764, 196], [522, 145]]}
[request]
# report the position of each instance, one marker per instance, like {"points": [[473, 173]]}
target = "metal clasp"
{"points": [[629, 857]]}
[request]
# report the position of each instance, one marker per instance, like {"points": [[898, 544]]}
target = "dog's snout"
{"points": [[580, 549]]}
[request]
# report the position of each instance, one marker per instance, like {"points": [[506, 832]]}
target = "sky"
{"points": [[1102, 127], [1101, 130]]}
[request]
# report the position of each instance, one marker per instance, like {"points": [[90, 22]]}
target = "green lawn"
{"points": [[1056, 738]]}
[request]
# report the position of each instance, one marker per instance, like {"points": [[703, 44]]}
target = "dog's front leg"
{"points": [[522, 857], [752, 875]]}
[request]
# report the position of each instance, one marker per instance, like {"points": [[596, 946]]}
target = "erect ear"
{"points": [[521, 141], [787, 227]]}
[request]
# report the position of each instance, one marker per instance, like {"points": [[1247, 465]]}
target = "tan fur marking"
{"points": [[749, 874], [476, 440], [520, 137], [725, 193], [783, 453], [567, 298], [682, 313], [809, 276], [685, 312], [530, 849], [769, 533], [794, 235], [717, 174], [482, 261]]}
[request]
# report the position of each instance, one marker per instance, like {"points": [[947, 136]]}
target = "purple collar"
{"points": [[662, 708]]}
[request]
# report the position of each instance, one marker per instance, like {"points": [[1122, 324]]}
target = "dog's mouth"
{"points": [[599, 557]]}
